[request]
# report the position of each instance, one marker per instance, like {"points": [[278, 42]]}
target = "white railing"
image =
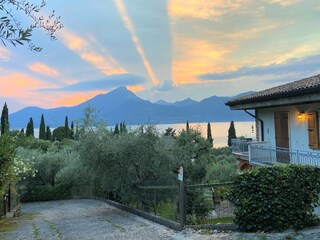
{"points": [[239, 145], [261, 153]]}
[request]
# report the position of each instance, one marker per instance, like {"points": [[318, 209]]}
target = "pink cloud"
{"points": [[43, 69]]}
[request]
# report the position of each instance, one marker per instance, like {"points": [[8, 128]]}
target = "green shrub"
{"points": [[46, 193], [276, 198]]}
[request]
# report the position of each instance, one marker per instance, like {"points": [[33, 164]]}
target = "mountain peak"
{"points": [[120, 89], [185, 102]]}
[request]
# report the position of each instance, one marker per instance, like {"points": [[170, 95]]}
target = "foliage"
{"points": [[30, 128], [5, 119], [209, 134], [67, 131], [72, 130], [7, 152], [42, 129], [170, 132], [191, 151], [231, 133], [276, 198], [123, 127], [116, 129], [61, 133], [11, 25], [48, 134], [49, 164], [221, 166], [47, 192]]}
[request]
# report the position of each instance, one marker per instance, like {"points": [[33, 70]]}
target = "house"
{"points": [[287, 125]]}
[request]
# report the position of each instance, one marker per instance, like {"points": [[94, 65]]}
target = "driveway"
{"points": [[93, 219], [88, 219]]}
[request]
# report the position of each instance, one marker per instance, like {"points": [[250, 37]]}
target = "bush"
{"points": [[7, 153], [276, 198], [46, 193]]}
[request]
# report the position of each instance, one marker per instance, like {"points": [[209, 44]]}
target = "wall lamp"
{"points": [[301, 115]]}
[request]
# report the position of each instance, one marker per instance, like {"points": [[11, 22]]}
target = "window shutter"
{"points": [[313, 131]]}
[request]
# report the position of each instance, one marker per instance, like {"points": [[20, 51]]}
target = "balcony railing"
{"points": [[261, 153]]}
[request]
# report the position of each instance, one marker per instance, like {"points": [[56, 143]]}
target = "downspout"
{"points": [[261, 123]]}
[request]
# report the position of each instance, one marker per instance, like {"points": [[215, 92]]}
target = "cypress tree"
{"points": [[187, 127], [116, 129], [124, 127], [4, 119], [42, 129], [231, 133], [72, 131], [31, 127], [66, 128], [30, 130], [48, 134], [209, 135]]}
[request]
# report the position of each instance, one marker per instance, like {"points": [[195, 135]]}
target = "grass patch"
{"points": [[221, 220], [53, 227], [30, 216], [36, 232], [6, 226], [121, 229], [167, 210]]}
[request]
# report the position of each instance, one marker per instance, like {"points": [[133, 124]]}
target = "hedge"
{"points": [[276, 198]]}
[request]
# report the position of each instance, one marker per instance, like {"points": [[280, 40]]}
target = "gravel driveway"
{"points": [[87, 219], [93, 219]]}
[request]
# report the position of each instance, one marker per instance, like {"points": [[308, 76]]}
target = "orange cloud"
{"points": [[201, 57], [204, 9], [135, 88], [130, 27], [68, 99], [43, 69], [90, 52], [19, 85]]}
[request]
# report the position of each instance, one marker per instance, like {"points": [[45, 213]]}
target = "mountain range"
{"points": [[123, 105]]}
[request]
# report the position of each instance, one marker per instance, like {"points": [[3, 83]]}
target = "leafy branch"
{"points": [[11, 30]]}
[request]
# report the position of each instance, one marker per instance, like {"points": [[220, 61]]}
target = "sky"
{"points": [[163, 49]]}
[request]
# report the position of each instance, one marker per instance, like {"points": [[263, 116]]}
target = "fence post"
{"points": [[9, 198], [182, 203], [4, 204]]}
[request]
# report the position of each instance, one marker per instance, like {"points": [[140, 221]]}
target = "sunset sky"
{"points": [[163, 49]]}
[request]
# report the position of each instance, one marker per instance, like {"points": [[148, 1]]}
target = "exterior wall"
{"points": [[298, 128]]}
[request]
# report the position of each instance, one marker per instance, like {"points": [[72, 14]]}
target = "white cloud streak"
{"points": [[130, 27]]}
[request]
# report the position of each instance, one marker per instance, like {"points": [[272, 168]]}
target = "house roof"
{"points": [[301, 87]]}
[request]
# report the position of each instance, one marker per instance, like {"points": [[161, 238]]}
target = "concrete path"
{"points": [[97, 220]]}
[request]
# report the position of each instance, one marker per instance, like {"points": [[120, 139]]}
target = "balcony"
{"points": [[262, 154]]}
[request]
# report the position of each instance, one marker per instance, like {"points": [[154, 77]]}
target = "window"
{"points": [[313, 130]]}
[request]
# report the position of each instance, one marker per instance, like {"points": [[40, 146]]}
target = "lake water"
{"points": [[219, 130]]}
